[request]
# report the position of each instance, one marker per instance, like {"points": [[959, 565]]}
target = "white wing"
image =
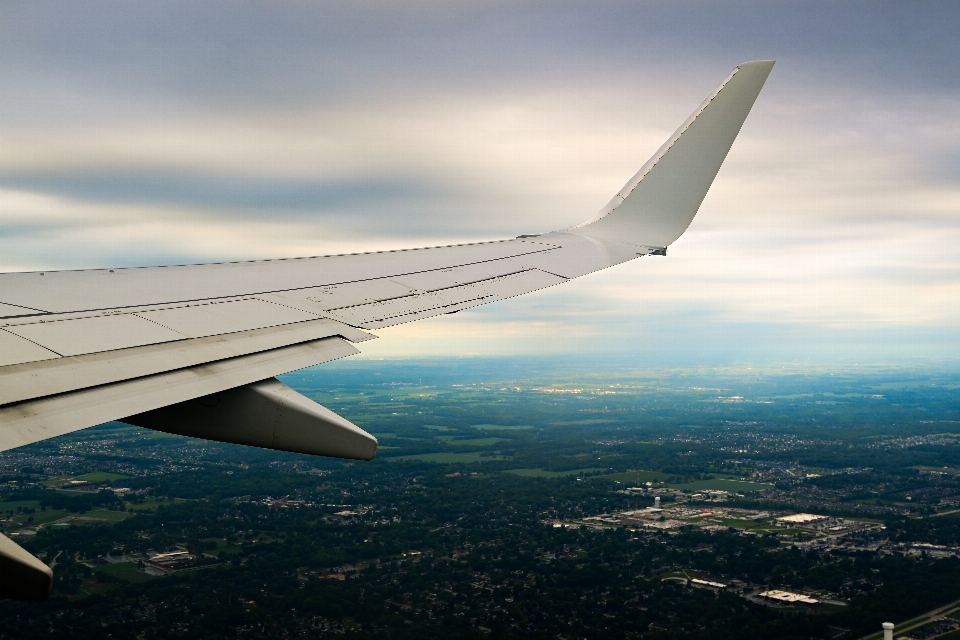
{"points": [[192, 349], [78, 348]]}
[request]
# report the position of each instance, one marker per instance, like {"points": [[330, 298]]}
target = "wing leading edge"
{"points": [[193, 349]]}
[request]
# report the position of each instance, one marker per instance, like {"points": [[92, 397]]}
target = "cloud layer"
{"points": [[168, 132]]}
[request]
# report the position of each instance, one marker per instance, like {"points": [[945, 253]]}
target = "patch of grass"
{"points": [[228, 549], [79, 520], [109, 516], [495, 427], [540, 473], [101, 476], [123, 570], [447, 458], [17, 504], [437, 427], [401, 438], [51, 515], [471, 442], [223, 546], [742, 524], [91, 588], [149, 504]]}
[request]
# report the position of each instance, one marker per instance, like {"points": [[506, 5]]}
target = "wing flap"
{"points": [[90, 335], [34, 420], [14, 350], [209, 319], [40, 379]]}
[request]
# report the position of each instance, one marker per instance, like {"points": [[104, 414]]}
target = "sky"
{"points": [[178, 132]]}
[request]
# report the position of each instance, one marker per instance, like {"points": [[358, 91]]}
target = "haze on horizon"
{"points": [[171, 132]]}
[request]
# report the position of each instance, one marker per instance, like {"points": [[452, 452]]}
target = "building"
{"points": [[170, 560], [708, 583], [787, 597], [801, 518]]}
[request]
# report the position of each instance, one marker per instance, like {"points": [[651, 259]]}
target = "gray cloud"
{"points": [[235, 195], [268, 53], [140, 133]]}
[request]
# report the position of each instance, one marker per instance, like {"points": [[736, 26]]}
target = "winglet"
{"points": [[658, 204]]}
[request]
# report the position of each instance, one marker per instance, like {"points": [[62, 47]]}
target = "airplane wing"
{"points": [[194, 349]]}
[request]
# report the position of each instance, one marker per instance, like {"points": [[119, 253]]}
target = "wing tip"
{"points": [[743, 86]]}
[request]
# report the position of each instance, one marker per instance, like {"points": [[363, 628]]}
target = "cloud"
{"points": [[182, 132]]}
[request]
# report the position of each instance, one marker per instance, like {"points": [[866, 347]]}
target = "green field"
{"points": [[471, 442], [223, 546], [148, 504], [495, 427], [109, 516], [101, 476], [123, 570], [91, 588], [540, 473], [447, 458], [17, 504], [736, 523], [43, 517]]}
